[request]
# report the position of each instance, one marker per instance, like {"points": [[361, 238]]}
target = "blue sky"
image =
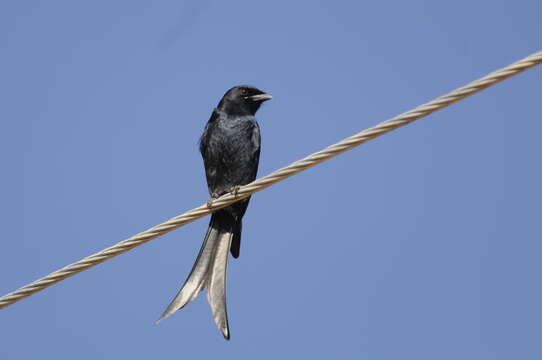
{"points": [[422, 244]]}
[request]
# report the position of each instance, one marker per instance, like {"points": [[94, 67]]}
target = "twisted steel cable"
{"points": [[276, 176]]}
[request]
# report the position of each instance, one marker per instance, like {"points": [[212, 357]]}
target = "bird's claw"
{"points": [[214, 196], [235, 190]]}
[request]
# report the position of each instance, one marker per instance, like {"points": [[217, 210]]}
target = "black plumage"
{"points": [[230, 147]]}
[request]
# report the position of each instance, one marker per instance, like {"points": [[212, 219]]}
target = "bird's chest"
{"points": [[233, 142]]}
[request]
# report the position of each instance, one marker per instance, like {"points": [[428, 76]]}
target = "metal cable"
{"points": [[279, 175]]}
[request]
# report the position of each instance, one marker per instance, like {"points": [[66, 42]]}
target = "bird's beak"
{"points": [[260, 97]]}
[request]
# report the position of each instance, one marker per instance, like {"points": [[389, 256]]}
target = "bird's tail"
{"points": [[209, 272]]}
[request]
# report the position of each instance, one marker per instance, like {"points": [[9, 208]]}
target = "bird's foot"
{"points": [[235, 190], [214, 196]]}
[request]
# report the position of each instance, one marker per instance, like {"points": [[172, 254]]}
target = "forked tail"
{"points": [[209, 272]]}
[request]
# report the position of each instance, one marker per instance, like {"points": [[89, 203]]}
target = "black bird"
{"points": [[230, 147]]}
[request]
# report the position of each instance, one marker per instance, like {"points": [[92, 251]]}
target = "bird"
{"points": [[230, 147]]}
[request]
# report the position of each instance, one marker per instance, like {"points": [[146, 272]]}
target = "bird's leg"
{"points": [[213, 197]]}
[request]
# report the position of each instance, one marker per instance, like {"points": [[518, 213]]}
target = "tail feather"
{"points": [[195, 282], [216, 283], [209, 272], [236, 241]]}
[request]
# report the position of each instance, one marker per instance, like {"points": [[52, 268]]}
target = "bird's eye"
{"points": [[244, 92]]}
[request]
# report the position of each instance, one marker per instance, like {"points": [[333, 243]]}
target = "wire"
{"points": [[276, 176]]}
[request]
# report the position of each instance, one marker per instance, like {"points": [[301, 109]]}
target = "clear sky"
{"points": [[422, 244]]}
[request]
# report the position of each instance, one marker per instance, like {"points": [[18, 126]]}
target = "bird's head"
{"points": [[242, 100]]}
